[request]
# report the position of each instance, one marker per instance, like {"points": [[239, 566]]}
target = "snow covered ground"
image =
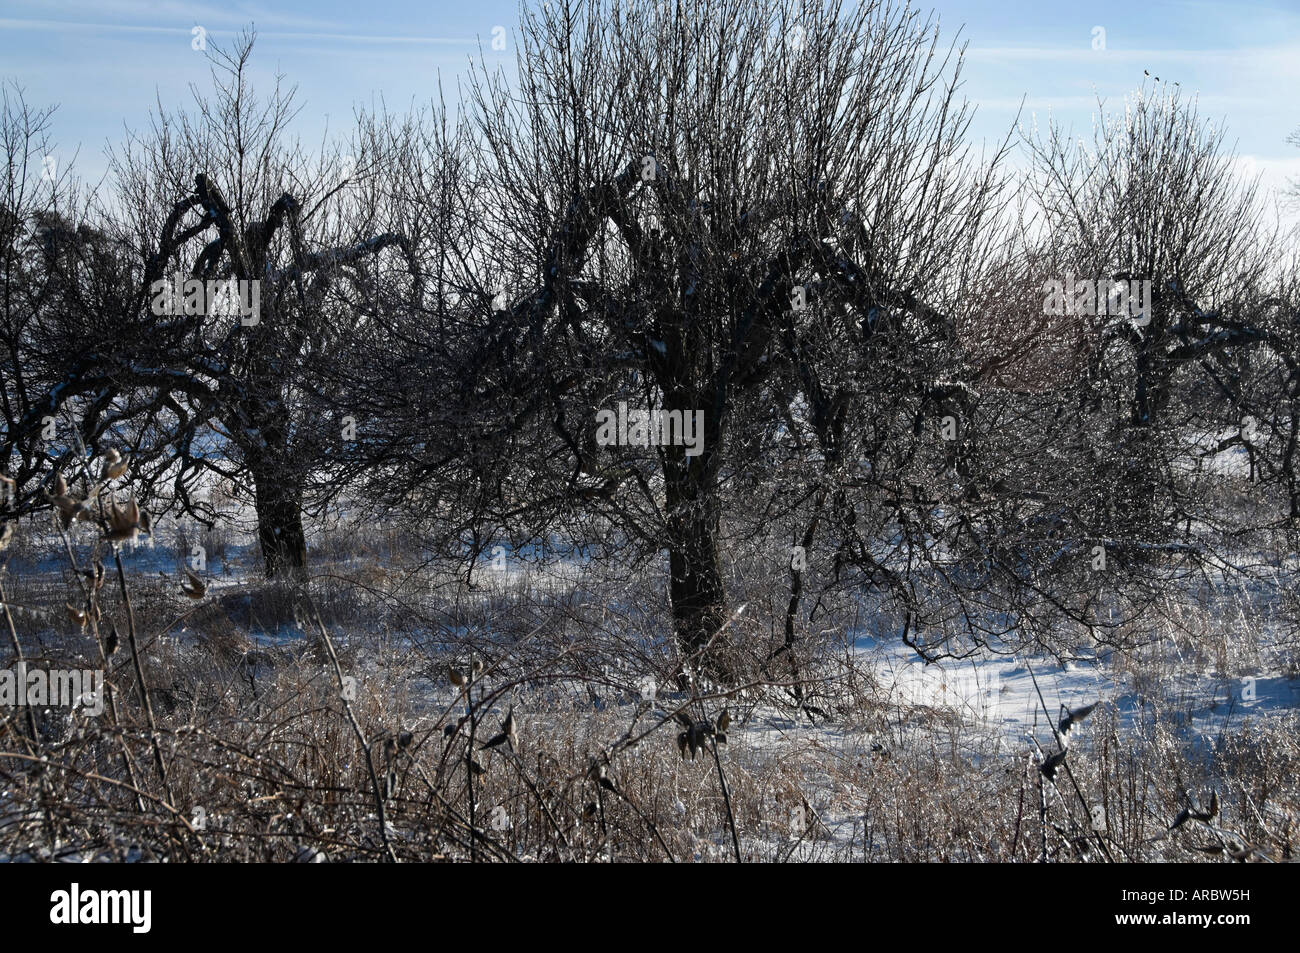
{"points": [[998, 691]]}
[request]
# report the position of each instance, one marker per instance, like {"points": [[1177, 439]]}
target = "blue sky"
{"points": [[104, 61]]}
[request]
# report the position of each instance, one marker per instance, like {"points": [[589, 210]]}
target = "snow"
{"points": [[997, 692]]}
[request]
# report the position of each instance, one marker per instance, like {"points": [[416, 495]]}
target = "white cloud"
{"points": [[54, 25], [183, 12]]}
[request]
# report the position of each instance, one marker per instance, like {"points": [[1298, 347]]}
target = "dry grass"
{"points": [[240, 747]]}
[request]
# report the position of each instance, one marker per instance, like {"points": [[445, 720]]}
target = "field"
{"points": [[242, 747]]}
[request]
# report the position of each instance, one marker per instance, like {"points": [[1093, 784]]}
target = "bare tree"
{"points": [[1174, 280], [225, 196], [753, 215], [64, 282]]}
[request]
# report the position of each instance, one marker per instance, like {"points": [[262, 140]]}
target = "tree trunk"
{"points": [[696, 589], [279, 524]]}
